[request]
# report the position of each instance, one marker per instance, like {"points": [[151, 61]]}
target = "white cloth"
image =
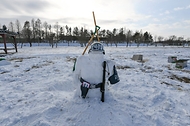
{"points": [[90, 68]]}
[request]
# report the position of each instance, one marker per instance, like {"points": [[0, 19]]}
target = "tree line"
{"points": [[36, 31]]}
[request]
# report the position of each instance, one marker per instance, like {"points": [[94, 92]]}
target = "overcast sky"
{"points": [[159, 17]]}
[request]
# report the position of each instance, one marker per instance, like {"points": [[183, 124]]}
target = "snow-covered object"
{"points": [[4, 62], [172, 59], [90, 68]]}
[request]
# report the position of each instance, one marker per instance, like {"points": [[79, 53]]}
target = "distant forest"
{"points": [[36, 31]]}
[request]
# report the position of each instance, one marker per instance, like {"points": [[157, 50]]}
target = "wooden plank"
{"points": [[8, 48]]}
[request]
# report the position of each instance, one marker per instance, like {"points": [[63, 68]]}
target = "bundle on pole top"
{"points": [[96, 27], [95, 33]]}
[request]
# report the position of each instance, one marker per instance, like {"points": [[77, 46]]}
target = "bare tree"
{"points": [[38, 29], [109, 37], [18, 28], [147, 38], [50, 37], [68, 34], [61, 34], [121, 35], [181, 41], [57, 26], [11, 29], [83, 36], [27, 32], [114, 37], [75, 33], [128, 37], [188, 41], [4, 27], [45, 24], [160, 40], [33, 30], [172, 40], [155, 40], [136, 38], [11, 26]]}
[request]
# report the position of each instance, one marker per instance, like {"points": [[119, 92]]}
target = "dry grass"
{"points": [[4, 72], [181, 79], [20, 59], [123, 67], [178, 87], [71, 59], [40, 65]]}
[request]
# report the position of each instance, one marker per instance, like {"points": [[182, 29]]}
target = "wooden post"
{"points": [[15, 43], [4, 40]]}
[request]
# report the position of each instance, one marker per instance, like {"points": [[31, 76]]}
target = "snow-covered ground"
{"points": [[37, 89]]}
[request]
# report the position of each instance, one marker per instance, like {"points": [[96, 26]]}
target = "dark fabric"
{"points": [[74, 65], [84, 90], [92, 86], [85, 86], [114, 78]]}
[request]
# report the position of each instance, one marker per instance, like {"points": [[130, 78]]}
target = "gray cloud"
{"points": [[18, 6], [26, 10], [21, 9]]}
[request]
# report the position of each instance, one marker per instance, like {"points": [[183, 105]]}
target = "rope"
{"points": [[96, 29]]}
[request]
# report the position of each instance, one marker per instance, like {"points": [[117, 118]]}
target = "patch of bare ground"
{"points": [[20, 59], [4, 72], [47, 63], [71, 59], [123, 67], [178, 87], [181, 79]]}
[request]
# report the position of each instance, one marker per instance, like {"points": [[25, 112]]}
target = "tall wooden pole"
{"points": [[5, 45], [89, 42]]}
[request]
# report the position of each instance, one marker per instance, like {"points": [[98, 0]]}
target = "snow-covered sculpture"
{"points": [[88, 71]]}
